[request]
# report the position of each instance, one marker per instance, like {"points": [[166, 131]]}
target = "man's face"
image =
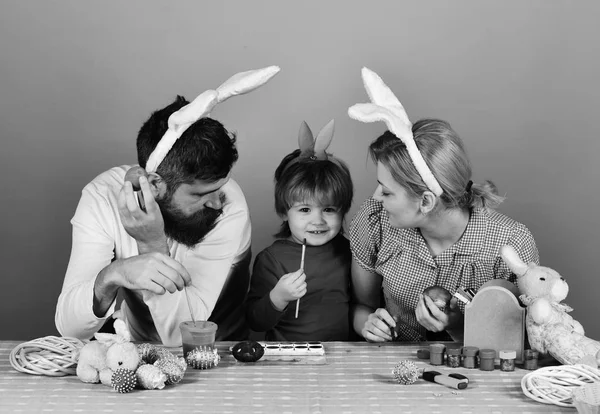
{"points": [[191, 211]]}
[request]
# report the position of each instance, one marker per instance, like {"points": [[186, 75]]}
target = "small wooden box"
{"points": [[494, 319]]}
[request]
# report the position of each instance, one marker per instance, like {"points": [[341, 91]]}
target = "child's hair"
{"points": [[327, 182], [445, 155], [206, 150]]}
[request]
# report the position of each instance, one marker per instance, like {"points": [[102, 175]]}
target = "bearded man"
{"points": [[184, 237]]}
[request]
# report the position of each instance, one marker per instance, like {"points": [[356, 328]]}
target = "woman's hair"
{"points": [[327, 182], [445, 155]]}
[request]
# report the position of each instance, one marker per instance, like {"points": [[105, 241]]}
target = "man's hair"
{"points": [[327, 182], [206, 150]]}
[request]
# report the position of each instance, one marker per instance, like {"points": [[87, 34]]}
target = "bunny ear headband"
{"points": [[386, 107], [181, 120], [314, 148]]}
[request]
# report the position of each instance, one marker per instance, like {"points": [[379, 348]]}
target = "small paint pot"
{"points": [[487, 359], [436, 354]]}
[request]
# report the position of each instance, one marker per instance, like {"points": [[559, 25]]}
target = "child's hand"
{"points": [[290, 287]]}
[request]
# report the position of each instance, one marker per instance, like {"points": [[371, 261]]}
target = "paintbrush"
{"points": [[301, 268], [187, 297]]}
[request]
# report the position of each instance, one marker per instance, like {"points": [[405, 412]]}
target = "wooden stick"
{"points": [[302, 268]]}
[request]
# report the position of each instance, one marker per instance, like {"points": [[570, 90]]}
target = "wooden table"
{"points": [[356, 379]]}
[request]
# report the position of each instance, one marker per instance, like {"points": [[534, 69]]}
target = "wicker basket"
{"points": [[587, 398]]}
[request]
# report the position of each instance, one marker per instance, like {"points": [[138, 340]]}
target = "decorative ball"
{"points": [[150, 377], [248, 351], [123, 380], [406, 372], [172, 369], [203, 358]]}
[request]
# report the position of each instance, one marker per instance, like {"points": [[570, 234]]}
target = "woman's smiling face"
{"points": [[403, 210]]}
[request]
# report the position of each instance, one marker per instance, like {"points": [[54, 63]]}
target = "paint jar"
{"points": [[487, 358], [507, 360], [198, 334], [453, 357], [469, 354], [436, 354], [530, 358]]}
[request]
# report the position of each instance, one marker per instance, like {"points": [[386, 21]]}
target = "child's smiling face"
{"points": [[317, 223]]}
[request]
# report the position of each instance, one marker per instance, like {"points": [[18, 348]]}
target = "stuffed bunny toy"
{"points": [[551, 330], [99, 359]]}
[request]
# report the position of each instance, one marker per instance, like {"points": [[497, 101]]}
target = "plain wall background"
{"points": [[518, 80]]}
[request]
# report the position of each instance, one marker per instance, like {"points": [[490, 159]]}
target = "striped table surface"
{"points": [[357, 378]]}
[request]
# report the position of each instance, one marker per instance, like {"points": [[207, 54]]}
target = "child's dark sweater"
{"points": [[324, 310]]}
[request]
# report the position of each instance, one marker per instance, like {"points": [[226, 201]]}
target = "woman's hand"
{"points": [[379, 326], [435, 320]]}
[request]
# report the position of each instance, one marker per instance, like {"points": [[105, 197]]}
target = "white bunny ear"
{"points": [[203, 104], [374, 113], [380, 94], [122, 330], [178, 123], [387, 108], [245, 82], [323, 140], [181, 120], [513, 261]]}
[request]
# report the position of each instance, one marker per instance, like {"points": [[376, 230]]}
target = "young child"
{"points": [[313, 193]]}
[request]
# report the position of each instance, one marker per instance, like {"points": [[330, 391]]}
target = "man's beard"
{"points": [[188, 230]]}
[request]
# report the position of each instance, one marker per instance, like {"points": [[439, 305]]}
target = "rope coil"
{"points": [[50, 355], [555, 385]]}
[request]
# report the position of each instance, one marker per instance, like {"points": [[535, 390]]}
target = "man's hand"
{"points": [[145, 225], [155, 272], [290, 287]]}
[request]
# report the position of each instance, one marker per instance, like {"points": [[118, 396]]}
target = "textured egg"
{"points": [[172, 369], [203, 358], [150, 377], [123, 380]]}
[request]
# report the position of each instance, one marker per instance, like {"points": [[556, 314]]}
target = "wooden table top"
{"points": [[356, 379]]}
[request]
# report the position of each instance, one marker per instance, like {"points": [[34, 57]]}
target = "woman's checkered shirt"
{"points": [[402, 258]]}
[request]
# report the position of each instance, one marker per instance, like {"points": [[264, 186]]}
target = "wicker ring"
{"points": [[555, 385], [50, 355]]}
